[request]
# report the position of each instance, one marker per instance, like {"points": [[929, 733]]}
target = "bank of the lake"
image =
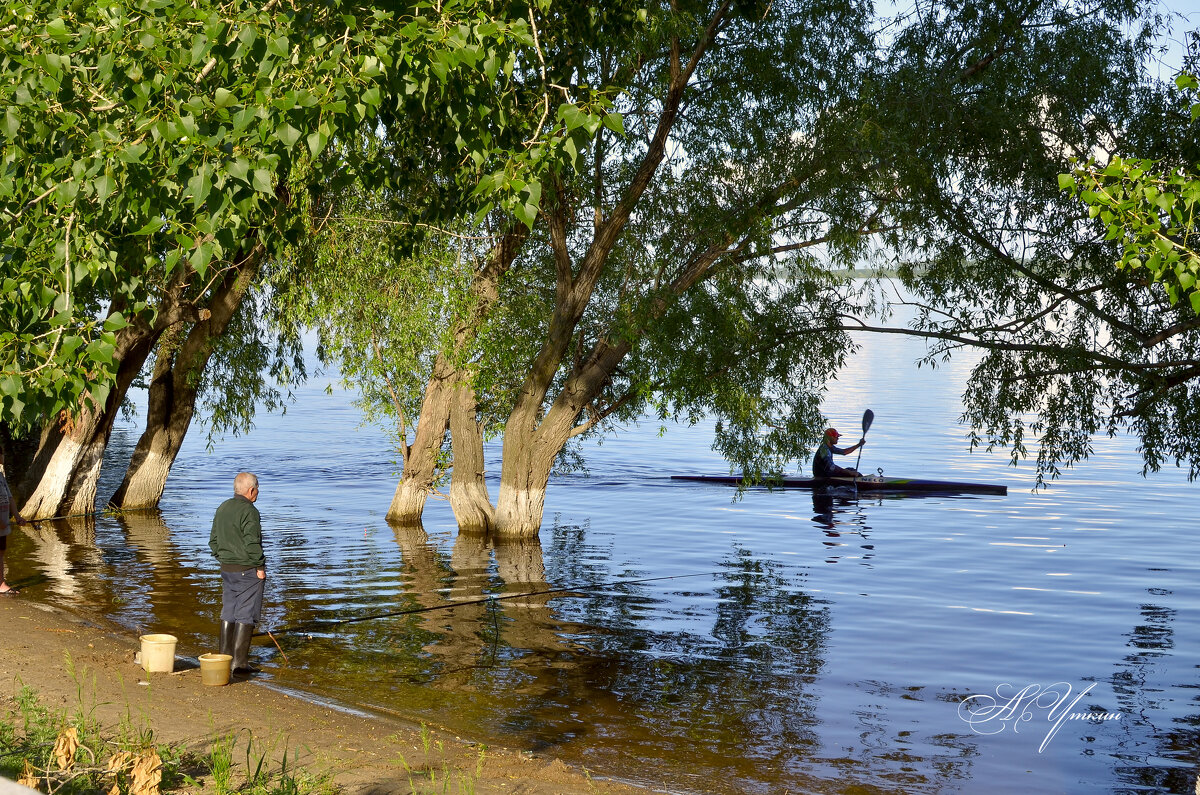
{"points": [[78, 663]]}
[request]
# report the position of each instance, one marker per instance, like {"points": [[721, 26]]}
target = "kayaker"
{"points": [[823, 466]]}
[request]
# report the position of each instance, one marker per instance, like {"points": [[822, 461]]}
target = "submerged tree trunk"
{"points": [[531, 447], [531, 442], [524, 475], [421, 457], [468, 491], [62, 477], [174, 389]]}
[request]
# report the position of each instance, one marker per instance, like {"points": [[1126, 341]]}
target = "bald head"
{"points": [[246, 485]]}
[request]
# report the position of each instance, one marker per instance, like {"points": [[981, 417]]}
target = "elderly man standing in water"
{"points": [[236, 542]]}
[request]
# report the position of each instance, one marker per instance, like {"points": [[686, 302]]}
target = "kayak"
{"points": [[870, 483]]}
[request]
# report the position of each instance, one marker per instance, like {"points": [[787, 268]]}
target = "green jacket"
{"points": [[236, 537]]}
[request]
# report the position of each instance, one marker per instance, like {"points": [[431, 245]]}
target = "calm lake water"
{"points": [[797, 649]]}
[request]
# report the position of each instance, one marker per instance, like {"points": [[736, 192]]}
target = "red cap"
{"points": [[832, 432]]}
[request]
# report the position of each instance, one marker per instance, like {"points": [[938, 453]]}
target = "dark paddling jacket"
{"points": [[236, 538], [822, 465]]}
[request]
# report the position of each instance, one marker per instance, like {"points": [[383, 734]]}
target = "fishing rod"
{"points": [[105, 512], [488, 600]]}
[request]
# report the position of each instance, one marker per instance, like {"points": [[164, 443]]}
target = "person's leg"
{"points": [[225, 638], [5, 588], [229, 585], [247, 606]]}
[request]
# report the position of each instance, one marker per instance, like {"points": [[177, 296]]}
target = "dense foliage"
{"points": [[148, 145]]}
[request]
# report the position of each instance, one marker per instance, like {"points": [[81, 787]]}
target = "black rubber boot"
{"points": [[241, 648], [225, 640]]}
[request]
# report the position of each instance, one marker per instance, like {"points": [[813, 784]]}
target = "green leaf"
{"points": [[104, 186], [11, 124], [223, 98], [243, 118], [262, 181], [201, 257], [288, 134], [534, 191], [199, 186], [115, 322], [316, 142], [238, 168], [616, 123], [57, 29], [69, 345], [526, 214], [571, 116], [132, 153], [149, 228], [18, 407]]}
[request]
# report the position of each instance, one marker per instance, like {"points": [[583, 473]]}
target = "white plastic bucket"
{"points": [[158, 653]]}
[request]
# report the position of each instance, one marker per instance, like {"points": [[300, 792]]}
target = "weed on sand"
{"points": [[68, 752]]}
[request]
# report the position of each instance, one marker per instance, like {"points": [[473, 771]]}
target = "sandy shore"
{"points": [[363, 753]]}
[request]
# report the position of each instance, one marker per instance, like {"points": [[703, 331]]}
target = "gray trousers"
{"points": [[241, 596]]}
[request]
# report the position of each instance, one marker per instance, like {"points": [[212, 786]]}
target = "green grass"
{"points": [[68, 752], [435, 776]]}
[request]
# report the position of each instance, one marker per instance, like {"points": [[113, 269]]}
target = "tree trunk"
{"points": [[174, 388], [146, 475], [468, 490], [529, 455], [62, 476], [421, 458], [531, 443]]}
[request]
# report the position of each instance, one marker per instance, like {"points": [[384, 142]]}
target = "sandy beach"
{"points": [[79, 662]]}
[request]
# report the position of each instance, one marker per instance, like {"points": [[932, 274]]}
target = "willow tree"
{"points": [[688, 282], [1073, 345], [147, 164], [409, 274], [726, 157], [682, 263]]}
